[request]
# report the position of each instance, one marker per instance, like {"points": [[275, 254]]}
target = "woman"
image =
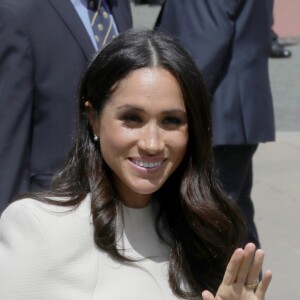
{"points": [[137, 212]]}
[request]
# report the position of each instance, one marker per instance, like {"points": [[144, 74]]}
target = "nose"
{"points": [[151, 140]]}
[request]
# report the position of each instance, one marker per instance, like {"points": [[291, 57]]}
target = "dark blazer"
{"points": [[229, 40], [44, 49]]}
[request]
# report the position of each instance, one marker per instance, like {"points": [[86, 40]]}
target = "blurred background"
{"points": [[276, 193]]}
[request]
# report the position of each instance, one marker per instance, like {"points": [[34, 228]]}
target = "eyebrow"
{"points": [[138, 108]]}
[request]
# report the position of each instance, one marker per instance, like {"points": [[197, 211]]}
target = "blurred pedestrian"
{"points": [[230, 42], [45, 46], [277, 49]]}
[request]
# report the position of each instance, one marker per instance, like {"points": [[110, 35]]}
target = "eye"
{"points": [[131, 119], [173, 121]]}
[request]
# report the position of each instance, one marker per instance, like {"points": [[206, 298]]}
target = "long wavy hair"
{"points": [[196, 219]]}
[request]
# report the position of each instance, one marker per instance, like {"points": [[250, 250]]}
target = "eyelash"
{"points": [[130, 118], [172, 120], [135, 120]]}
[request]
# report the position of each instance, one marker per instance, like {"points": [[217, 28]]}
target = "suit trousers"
{"points": [[234, 165]]}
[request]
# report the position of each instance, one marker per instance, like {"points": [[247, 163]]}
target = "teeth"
{"points": [[146, 164]]}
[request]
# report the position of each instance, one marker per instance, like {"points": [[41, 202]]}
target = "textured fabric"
{"points": [[48, 252], [101, 22], [235, 166], [44, 50], [229, 40], [81, 9]]}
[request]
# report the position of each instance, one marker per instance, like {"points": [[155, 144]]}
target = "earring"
{"points": [[96, 138]]}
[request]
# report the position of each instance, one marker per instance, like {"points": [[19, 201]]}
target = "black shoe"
{"points": [[279, 51]]}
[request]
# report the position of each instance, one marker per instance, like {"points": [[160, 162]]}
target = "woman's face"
{"points": [[143, 133]]}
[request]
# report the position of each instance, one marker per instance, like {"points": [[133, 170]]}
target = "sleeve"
{"points": [[206, 28], [16, 101], [23, 255]]}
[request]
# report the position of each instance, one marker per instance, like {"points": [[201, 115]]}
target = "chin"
{"points": [[146, 188]]}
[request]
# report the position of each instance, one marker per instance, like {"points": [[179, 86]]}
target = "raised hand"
{"points": [[240, 281]]}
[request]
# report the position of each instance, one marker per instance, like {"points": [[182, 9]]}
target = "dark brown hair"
{"points": [[202, 227]]}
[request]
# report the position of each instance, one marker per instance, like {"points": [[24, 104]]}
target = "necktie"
{"points": [[101, 22]]}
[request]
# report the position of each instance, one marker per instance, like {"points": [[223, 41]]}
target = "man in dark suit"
{"points": [[44, 48], [229, 40]]}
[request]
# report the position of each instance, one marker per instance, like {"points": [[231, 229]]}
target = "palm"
{"points": [[244, 266]]}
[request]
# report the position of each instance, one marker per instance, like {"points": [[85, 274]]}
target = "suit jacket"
{"points": [[48, 253], [229, 41], [44, 49]]}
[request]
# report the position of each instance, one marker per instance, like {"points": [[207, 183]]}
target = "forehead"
{"points": [[152, 86]]}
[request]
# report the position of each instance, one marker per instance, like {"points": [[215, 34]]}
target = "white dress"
{"points": [[48, 252]]}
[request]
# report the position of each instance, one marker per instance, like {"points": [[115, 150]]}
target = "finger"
{"points": [[263, 285], [207, 295], [249, 252], [233, 266], [255, 268]]}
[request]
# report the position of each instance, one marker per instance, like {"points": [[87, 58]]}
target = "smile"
{"points": [[147, 164]]}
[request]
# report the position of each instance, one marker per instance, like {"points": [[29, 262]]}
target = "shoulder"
{"points": [[36, 237], [43, 228], [18, 219], [28, 213]]}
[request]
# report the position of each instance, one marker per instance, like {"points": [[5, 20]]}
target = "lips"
{"points": [[147, 164]]}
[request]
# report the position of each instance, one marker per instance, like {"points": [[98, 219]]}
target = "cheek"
{"points": [[183, 147], [115, 139], [179, 146]]}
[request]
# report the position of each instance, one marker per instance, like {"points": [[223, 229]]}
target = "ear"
{"points": [[93, 119]]}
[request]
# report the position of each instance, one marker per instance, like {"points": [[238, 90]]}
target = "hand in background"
{"points": [[240, 281]]}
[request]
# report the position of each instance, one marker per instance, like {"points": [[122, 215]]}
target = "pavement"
{"points": [[276, 188]]}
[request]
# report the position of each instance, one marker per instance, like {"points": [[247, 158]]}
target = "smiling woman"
{"points": [[143, 133], [137, 211]]}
